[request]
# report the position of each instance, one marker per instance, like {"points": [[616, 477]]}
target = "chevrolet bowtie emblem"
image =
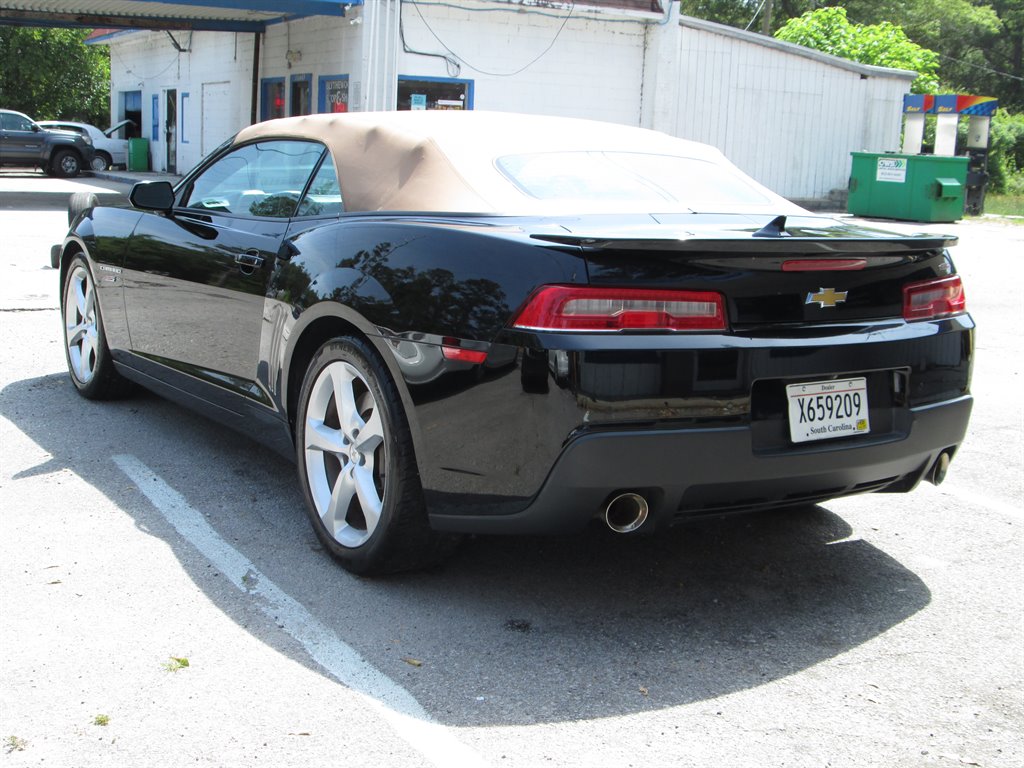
{"points": [[826, 297]]}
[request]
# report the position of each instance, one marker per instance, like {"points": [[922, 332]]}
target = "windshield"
{"points": [[629, 177]]}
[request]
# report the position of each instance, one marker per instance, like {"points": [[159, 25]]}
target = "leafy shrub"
{"points": [[881, 45], [1006, 155]]}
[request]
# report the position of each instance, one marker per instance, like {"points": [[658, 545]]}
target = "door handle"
{"points": [[251, 259]]}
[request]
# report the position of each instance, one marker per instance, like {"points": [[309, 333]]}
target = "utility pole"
{"points": [[766, 19]]}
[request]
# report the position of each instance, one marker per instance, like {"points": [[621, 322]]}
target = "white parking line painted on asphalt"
{"points": [[396, 705]]}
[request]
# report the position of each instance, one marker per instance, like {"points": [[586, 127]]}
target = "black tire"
{"points": [[85, 344], [101, 162], [66, 163], [80, 201], [366, 459]]}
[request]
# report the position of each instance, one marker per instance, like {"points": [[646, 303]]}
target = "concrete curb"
{"points": [[132, 177]]}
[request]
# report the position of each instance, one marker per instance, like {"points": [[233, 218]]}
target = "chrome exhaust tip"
{"points": [[626, 512], [939, 469]]}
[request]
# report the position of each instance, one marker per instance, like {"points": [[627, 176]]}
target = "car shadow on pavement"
{"points": [[510, 631]]}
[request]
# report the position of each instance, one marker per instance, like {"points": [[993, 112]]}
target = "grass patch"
{"points": [[15, 744], [175, 663], [101, 720], [1005, 205]]}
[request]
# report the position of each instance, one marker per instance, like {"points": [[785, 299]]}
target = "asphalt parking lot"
{"points": [[164, 602]]}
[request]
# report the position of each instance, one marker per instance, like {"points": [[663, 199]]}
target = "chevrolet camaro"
{"points": [[488, 323]]}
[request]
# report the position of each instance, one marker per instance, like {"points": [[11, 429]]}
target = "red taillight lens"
{"points": [[582, 308], [930, 299]]}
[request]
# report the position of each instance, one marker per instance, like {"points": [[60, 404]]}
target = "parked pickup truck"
{"points": [[24, 143]]}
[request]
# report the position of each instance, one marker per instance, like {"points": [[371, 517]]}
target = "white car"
{"points": [[109, 151]]}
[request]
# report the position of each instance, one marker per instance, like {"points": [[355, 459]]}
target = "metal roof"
{"points": [[222, 15]]}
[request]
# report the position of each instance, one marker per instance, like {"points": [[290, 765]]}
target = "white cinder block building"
{"points": [[787, 115]]}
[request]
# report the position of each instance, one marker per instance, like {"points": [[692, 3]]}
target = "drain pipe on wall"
{"points": [[255, 76]]}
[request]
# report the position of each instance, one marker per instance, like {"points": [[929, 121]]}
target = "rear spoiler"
{"points": [[735, 244], [773, 237]]}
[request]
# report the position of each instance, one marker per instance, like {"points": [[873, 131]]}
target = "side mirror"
{"points": [[152, 196]]}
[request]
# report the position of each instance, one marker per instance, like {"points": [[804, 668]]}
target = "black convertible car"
{"points": [[495, 323]]}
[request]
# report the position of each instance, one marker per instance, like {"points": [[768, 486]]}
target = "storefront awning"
{"points": [[216, 15]]}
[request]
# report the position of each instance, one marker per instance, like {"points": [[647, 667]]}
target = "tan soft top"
{"points": [[445, 160]]}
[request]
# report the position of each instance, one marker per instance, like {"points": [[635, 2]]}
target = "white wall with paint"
{"points": [[786, 115]]}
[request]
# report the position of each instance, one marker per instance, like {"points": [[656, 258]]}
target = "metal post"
{"points": [[255, 77]]}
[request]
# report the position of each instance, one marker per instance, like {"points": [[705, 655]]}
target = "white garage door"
{"points": [[217, 111]]}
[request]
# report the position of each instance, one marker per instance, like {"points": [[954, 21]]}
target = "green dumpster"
{"points": [[138, 154], [907, 187]]}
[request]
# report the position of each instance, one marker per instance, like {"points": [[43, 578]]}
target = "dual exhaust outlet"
{"points": [[626, 512]]}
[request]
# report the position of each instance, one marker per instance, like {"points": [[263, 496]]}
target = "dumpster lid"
{"points": [[949, 187]]}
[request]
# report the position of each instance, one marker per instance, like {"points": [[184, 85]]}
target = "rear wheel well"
{"points": [[314, 337]]}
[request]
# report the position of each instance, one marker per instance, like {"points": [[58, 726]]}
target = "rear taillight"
{"points": [[583, 308], [930, 299]]}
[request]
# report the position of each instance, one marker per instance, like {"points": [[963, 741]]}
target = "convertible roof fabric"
{"points": [[445, 160]]}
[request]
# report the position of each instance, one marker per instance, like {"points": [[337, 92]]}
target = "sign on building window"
{"points": [[434, 93], [333, 94]]}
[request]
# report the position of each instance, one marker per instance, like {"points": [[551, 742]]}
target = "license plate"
{"points": [[822, 410]]}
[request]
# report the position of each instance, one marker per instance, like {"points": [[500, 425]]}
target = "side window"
{"points": [[13, 122], [263, 179], [324, 195]]}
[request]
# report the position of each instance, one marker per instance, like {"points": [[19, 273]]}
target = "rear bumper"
{"points": [[690, 472]]}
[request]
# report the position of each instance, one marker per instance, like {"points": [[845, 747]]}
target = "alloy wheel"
{"points": [[81, 330], [345, 454]]}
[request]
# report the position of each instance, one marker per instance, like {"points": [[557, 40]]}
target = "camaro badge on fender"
{"points": [[826, 297]]}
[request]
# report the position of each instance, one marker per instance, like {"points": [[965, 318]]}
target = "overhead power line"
{"points": [[983, 68]]}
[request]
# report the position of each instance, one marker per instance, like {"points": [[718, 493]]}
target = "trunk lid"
{"points": [[771, 270]]}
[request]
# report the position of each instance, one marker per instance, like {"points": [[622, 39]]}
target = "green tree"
{"points": [[882, 45], [50, 74], [980, 42]]}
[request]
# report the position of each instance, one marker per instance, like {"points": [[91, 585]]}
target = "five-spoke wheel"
{"points": [[346, 454], [81, 330], [357, 464], [85, 345]]}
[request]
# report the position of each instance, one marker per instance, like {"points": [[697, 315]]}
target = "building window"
{"points": [[301, 100], [434, 93], [272, 98], [132, 110], [333, 95]]}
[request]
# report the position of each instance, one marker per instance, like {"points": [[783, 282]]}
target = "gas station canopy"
{"points": [[214, 15]]}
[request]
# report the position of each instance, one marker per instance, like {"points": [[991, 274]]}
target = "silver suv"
{"points": [[24, 143]]}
